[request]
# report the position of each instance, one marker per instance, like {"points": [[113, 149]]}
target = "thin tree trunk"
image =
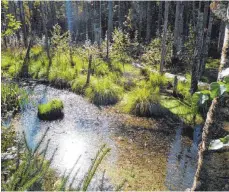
{"points": [[25, 65], [181, 26], [119, 15], [163, 49], [197, 54], [176, 29], [159, 19], [22, 18], [44, 20], [17, 32], [224, 62], [89, 70], [206, 44], [110, 25], [149, 18], [221, 35]]}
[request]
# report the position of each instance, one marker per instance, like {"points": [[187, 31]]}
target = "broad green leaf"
{"points": [[217, 89]]}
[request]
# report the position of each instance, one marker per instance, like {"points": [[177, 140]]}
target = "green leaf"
{"points": [[217, 89]]}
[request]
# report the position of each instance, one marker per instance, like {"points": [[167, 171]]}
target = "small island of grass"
{"points": [[51, 110]]}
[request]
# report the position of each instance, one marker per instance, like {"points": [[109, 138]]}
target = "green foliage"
{"points": [[36, 51], [11, 63], [145, 72], [100, 67], [102, 152], [225, 139], [212, 63], [51, 110], [184, 111], [31, 170], [59, 41], [183, 89], [12, 98], [217, 89], [104, 92], [12, 25], [152, 55], [121, 42], [78, 85], [143, 102], [61, 69], [189, 46], [157, 80]]}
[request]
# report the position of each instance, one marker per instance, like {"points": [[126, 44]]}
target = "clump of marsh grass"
{"points": [[143, 102], [157, 80], [104, 92]]}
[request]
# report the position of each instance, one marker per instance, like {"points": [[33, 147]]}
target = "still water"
{"points": [[148, 153]]}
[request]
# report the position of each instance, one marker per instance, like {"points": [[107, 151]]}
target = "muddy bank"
{"points": [[143, 151]]}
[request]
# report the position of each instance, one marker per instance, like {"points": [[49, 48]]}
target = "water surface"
{"points": [[148, 153]]}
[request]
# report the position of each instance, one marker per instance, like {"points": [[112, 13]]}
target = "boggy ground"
{"points": [[138, 154]]}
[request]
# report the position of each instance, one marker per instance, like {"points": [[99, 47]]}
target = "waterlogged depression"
{"points": [[148, 153]]}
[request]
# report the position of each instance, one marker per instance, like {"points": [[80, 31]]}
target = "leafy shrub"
{"points": [[51, 110], [143, 102], [121, 42], [104, 92]]}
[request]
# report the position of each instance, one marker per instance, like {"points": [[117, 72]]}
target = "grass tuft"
{"points": [[51, 110], [143, 102], [157, 80], [104, 92]]}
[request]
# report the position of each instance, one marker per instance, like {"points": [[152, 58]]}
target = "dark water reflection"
{"points": [[151, 159], [182, 161]]}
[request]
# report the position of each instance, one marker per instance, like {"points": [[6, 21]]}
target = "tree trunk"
{"points": [[159, 19], [163, 47], [206, 45], [119, 15], [221, 35], [224, 62], [17, 32], [202, 147], [25, 65], [89, 70], [197, 54], [110, 25], [149, 19], [44, 20], [176, 29], [178, 33], [22, 18]]}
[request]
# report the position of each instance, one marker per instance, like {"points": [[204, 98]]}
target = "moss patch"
{"points": [[51, 110]]}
